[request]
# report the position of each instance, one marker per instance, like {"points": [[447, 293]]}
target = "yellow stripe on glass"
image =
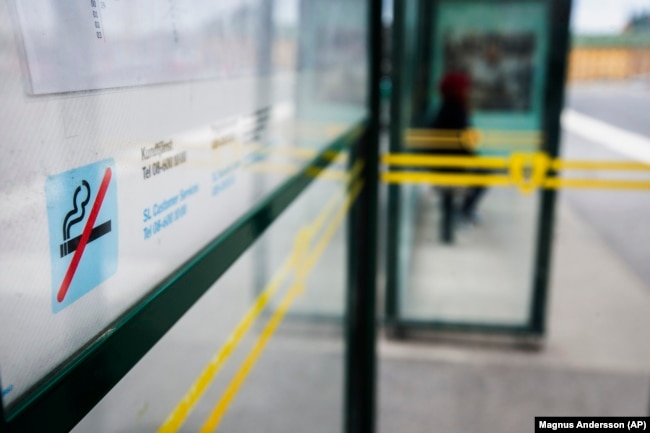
{"points": [[215, 417], [526, 171], [472, 138], [298, 261]]}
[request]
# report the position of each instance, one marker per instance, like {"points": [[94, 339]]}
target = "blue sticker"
{"points": [[7, 390], [82, 218]]}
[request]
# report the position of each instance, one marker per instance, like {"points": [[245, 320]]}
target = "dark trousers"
{"points": [[470, 202], [448, 212]]}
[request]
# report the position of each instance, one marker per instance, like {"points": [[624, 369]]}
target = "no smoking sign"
{"points": [[82, 219]]}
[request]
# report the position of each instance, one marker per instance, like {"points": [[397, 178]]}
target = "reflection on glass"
{"points": [[467, 251], [500, 64]]}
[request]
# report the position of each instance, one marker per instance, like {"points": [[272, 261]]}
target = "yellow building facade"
{"points": [[612, 58]]}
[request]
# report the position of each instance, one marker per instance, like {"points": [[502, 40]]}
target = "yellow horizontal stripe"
{"points": [[424, 132], [529, 147], [349, 177], [416, 145], [559, 164], [505, 181], [292, 169], [514, 135], [498, 143], [475, 138], [482, 140], [274, 167], [512, 147], [303, 153], [483, 132], [557, 183], [296, 152], [435, 139], [405, 159], [445, 179]]}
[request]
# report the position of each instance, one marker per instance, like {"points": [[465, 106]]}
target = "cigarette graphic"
{"points": [[71, 245], [85, 234], [75, 216]]}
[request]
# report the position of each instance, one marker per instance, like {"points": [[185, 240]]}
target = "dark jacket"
{"points": [[452, 116]]}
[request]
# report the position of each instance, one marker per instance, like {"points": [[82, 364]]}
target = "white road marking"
{"points": [[630, 144]]}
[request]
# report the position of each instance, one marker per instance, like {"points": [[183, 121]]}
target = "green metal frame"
{"points": [[394, 191], [556, 68], [361, 321], [60, 401], [556, 72], [402, 116]]}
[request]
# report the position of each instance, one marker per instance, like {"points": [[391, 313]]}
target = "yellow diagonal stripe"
{"points": [[324, 215], [215, 417], [180, 413], [329, 232], [198, 388], [220, 409]]}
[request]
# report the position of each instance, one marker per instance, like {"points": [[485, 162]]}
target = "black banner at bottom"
{"points": [[590, 424]]}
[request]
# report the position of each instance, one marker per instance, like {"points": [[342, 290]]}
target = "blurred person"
{"points": [[454, 114]]}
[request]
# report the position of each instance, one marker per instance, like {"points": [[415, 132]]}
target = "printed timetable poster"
{"points": [[97, 44], [503, 49]]}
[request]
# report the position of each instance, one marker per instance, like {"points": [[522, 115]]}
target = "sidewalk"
{"points": [[595, 360]]}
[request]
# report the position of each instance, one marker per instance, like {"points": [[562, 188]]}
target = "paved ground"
{"points": [[622, 104], [596, 355], [620, 218]]}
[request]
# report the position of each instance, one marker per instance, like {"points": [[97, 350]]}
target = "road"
{"points": [[621, 218]]}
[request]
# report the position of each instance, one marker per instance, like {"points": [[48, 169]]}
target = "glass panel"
{"points": [[466, 251], [137, 132], [295, 381]]}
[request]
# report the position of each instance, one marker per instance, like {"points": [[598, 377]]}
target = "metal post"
{"points": [[393, 215], [560, 16], [361, 332]]}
